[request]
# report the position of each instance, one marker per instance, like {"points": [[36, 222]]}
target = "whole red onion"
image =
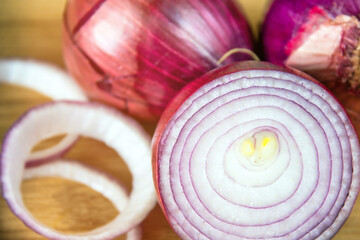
{"points": [[137, 54], [320, 37]]}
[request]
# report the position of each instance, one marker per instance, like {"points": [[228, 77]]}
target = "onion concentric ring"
{"points": [[49, 80], [94, 179], [106, 124], [256, 151]]}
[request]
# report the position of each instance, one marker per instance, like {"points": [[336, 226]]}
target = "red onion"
{"points": [[49, 80], [320, 37], [256, 151], [94, 179], [137, 54], [119, 132]]}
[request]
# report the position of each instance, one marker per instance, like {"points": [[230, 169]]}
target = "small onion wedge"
{"points": [[93, 120], [49, 80], [94, 179], [256, 151], [319, 37]]}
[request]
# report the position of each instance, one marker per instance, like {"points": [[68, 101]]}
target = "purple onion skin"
{"points": [[285, 17], [176, 41], [285, 21]]}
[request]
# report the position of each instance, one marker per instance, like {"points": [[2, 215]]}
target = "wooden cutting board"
{"points": [[31, 29]]}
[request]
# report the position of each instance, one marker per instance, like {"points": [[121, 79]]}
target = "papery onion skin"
{"points": [[165, 153], [288, 25], [136, 55]]}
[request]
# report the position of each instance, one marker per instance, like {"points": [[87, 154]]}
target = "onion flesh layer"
{"points": [[96, 180], [119, 132], [49, 80]]}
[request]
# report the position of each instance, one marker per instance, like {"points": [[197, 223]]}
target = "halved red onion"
{"points": [[137, 54], [49, 80], [98, 181], [116, 130], [256, 151]]}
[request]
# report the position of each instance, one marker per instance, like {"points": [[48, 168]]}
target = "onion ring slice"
{"points": [[49, 80], [98, 181], [93, 120]]}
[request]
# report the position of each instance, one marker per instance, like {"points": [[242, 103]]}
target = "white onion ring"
{"points": [[312, 193], [49, 80], [96, 180], [119, 132]]}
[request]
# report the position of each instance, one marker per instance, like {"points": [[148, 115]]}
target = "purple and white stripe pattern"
{"points": [[304, 187]]}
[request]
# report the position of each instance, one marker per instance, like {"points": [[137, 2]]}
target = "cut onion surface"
{"points": [[256, 151], [49, 80], [98, 181], [93, 120]]}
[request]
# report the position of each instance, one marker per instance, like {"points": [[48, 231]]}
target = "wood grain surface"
{"points": [[32, 29]]}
